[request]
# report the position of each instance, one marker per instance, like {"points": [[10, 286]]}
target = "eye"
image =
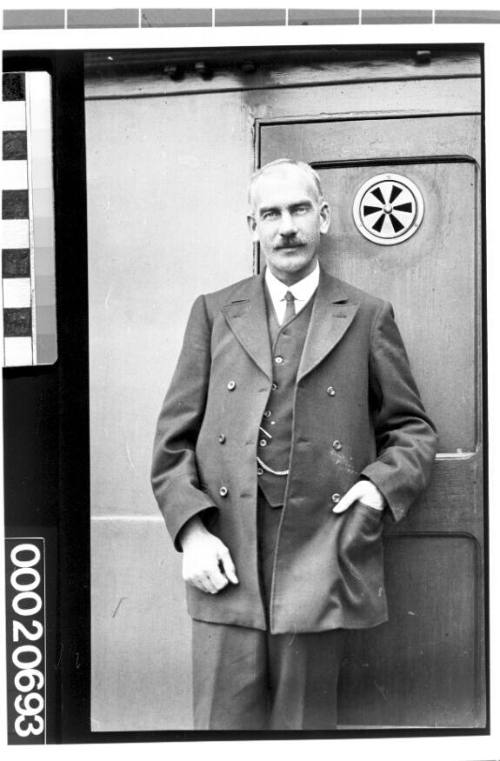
{"points": [[270, 214], [301, 209]]}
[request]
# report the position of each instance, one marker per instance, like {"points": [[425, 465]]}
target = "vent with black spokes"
{"points": [[388, 209]]}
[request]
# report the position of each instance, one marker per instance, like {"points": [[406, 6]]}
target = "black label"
{"points": [[25, 628]]}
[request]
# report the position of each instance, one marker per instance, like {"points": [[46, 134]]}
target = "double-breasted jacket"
{"points": [[354, 387]]}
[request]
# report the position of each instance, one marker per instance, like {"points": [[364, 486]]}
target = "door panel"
{"points": [[425, 667], [419, 670], [428, 280], [373, 139]]}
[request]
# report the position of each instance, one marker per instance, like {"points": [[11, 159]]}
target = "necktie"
{"points": [[290, 306]]}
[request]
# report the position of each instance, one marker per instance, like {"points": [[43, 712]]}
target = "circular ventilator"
{"points": [[388, 209]]}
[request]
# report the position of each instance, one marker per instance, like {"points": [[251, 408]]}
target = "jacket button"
{"points": [[335, 498], [337, 445], [221, 438], [279, 360], [223, 491], [330, 391], [267, 413], [260, 471], [231, 385], [262, 443], [274, 386]]}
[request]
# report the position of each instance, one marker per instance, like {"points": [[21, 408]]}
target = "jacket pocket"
{"points": [[360, 554]]}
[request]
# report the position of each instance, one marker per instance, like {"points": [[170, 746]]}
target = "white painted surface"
{"points": [[16, 292], [166, 208], [13, 115], [140, 631], [18, 351], [166, 183], [14, 174], [15, 233]]}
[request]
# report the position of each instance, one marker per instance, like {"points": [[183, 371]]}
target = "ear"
{"points": [[325, 217], [252, 226]]}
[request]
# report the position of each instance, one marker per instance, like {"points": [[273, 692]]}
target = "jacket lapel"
{"points": [[247, 318], [331, 316]]}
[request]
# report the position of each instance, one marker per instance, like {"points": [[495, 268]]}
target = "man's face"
{"points": [[287, 219]]}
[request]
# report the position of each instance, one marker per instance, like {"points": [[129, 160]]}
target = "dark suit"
{"points": [[267, 651], [354, 386]]}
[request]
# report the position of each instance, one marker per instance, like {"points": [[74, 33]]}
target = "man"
{"points": [[292, 424]]}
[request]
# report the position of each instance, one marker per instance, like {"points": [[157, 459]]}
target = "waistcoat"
{"points": [[275, 433]]}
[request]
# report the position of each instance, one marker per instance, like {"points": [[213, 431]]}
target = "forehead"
{"points": [[283, 185]]}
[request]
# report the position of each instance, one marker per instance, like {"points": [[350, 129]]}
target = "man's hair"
{"points": [[302, 165]]}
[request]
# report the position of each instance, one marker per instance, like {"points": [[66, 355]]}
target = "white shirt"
{"points": [[303, 291]]}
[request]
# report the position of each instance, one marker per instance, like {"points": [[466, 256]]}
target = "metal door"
{"points": [[426, 666]]}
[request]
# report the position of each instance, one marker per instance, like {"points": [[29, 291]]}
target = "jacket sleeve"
{"points": [[405, 436], [174, 475]]}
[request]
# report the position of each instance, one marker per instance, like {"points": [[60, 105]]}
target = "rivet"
{"points": [[203, 69], [248, 67], [174, 71]]}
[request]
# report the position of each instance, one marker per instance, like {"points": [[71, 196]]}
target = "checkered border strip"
{"points": [[28, 250]]}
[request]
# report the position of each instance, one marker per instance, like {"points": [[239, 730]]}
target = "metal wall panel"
{"points": [[167, 179]]}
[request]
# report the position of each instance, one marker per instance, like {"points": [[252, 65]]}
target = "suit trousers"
{"points": [[249, 679]]}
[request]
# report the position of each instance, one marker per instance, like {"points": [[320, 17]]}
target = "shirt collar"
{"points": [[302, 290]]}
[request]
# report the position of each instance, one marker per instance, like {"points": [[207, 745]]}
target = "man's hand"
{"points": [[366, 492], [206, 563]]}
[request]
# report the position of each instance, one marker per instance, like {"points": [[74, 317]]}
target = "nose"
{"points": [[287, 224]]}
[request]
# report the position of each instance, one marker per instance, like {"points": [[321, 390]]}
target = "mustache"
{"points": [[289, 243]]}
